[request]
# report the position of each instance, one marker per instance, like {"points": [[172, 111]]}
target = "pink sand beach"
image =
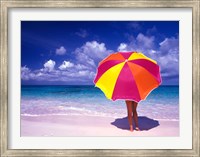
{"points": [[71, 125]]}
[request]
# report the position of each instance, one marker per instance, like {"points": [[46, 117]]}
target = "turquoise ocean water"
{"points": [[162, 103]]}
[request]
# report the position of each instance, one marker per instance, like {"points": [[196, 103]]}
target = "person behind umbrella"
{"points": [[128, 76], [132, 114]]}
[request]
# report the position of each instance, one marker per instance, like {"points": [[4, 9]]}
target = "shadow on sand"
{"points": [[145, 123]]}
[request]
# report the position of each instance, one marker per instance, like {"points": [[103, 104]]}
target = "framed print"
{"points": [[96, 78]]}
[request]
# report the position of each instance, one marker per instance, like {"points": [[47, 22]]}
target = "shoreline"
{"points": [[82, 125]]}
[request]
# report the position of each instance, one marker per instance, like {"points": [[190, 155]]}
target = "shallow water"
{"points": [[162, 103]]}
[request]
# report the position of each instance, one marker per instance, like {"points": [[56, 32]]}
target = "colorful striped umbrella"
{"points": [[127, 76]]}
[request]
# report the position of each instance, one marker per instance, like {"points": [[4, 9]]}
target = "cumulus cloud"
{"points": [[49, 65], [82, 67], [77, 76], [85, 73], [85, 59], [61, 51], [138, 43], [144, 41], [122, 47], [67, 72], [25, 71], [65, 65], [168, 58], [91, 53], [27, 74], [169, 45]]}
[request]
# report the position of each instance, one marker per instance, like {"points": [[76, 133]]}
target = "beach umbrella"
{"points": [[127, 76]]}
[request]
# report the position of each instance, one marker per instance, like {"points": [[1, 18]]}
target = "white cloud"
{"points": [[25, 73], [91, 53], [95, 49], [84, 73], [122, 47], [153, 51], [80, 67], [65, 65], [141, 43], [86, 59], [144, 41], [169, 45], [78, 74], [83, 69], [49, 65], [167, 56], [25, 69], [61, 51]]}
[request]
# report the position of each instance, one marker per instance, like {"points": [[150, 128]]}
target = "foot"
{"points": [[137, 129], [131, 128]]}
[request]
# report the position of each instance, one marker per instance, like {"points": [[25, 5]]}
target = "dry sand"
{"points": [[69, 125]]}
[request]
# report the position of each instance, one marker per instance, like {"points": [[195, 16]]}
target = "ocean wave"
{"points": [[67, 114], [44, 107]]}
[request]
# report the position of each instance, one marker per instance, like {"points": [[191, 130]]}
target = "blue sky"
{"points": [[68, 52]]}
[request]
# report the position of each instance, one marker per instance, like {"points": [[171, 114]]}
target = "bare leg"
{"points": [[129, 110], [135, 115]]}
